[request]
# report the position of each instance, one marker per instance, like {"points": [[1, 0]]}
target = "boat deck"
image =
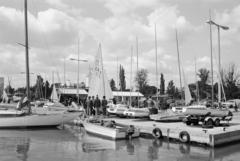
{"points": [[205, 136]]}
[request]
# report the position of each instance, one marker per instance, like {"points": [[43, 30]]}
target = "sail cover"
{"points": [[188, 96], [98, 81], [54, 95]]}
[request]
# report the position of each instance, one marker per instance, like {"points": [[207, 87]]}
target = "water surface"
{"points": [[73, 144]]}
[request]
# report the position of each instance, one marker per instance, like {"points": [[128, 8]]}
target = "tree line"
{"points": [[41, 89], [229, 78]]}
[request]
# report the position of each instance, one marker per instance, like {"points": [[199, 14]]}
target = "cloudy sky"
{"points": [[56, 25]]}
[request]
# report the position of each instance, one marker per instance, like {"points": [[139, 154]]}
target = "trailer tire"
{"points": [[157, 133], [208, 122], [217, 122], [188, 122], [184, 137]]}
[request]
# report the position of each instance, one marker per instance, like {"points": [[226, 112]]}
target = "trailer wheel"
{"points": [[188, 122], [208, 123], [217, 122]]}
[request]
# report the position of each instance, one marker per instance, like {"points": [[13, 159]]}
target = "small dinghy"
{"points": [[109, 129], [136, 112], [167, 116]]}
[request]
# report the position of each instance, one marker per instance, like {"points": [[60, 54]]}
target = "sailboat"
{"points": [[175, 114], [187, 94], [16, 118], [98, 81]]}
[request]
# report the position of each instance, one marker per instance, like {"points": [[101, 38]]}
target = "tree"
{"points": [[122, 79], [9, 89], [113, 85], [149, 90], [141, 79], [39, 86], [172, 90], [204, 88], [47, 90], [231, 77], [82, 85], [162, 84]]}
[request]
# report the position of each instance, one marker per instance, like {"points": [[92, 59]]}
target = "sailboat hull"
{"points": [[37, 120]]}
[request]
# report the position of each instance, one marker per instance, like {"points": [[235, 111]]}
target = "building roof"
{"points": [[72, 91], [127, 94]]}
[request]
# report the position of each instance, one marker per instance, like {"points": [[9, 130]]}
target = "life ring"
{"points": [[184, 148], [184, 137], [130, 131], [157, 133]]}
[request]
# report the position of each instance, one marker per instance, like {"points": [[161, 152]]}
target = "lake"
{"points": [[73, 144]]}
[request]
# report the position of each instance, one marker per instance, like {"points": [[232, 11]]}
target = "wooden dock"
{"points": [[210, 136]]}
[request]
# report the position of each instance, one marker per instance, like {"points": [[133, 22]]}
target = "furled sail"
{"points": [[187, 93], [54, 95]]}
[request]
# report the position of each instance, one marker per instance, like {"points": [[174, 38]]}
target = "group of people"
{"points": [[95, 106]]}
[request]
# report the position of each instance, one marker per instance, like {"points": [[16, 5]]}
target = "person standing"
{"points": [[104, 106], [92, 111], [114, 101], [88, 103], [97, 105], [150, 102]]}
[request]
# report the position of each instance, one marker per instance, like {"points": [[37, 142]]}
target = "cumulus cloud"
{"points": [[54, 30], [127, 6]]}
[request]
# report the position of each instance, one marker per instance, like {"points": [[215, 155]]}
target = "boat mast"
{"points": [[210, 27], [197, 88], [219, 69], [100, 50], [64, 72], [179, 69], [131, 78], [137, 68], [156, 63], [78, 75], [26, 49], [53, 85]]}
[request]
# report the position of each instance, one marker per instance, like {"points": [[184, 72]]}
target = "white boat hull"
{"points": [[37, 120], [111, 133], [136, 112]]}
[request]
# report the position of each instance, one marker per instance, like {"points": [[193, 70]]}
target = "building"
{"points": [[124, 96], [67, 93]]}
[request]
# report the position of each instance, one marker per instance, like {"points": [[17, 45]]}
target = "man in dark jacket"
{"points": [[92, 112], [97, 105], [104, 106]]}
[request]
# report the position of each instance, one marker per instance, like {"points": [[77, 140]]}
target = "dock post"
{"points": [[168, 131]]}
